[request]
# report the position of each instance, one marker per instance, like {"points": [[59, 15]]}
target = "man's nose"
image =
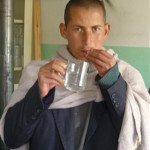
{"points": [[87, 37]]}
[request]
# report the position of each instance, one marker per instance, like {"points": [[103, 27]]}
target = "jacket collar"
{"points": [[65, 123]]}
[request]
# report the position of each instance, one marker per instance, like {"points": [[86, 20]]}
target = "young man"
{"points": [[109, 114]]}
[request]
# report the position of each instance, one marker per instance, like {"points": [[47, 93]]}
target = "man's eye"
{"points": [[96, 28], [77, 29]]}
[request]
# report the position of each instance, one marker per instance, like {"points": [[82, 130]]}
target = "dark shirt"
{"points": [[82, 115]]}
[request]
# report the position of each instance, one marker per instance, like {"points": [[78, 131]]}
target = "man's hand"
{"points": [[102, 60], [49, 76]]}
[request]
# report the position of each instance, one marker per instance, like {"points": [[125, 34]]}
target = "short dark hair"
{"points": [[83, 3]]}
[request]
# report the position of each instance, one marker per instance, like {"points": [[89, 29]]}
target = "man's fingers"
{"points": [[100, 55], [96, 61], [55, 65], [51, 77], [102, 60], [103, 52]]}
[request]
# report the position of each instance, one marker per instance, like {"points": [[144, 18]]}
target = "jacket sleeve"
{"points": [[113, 88], [115, 98], [22, 118]]}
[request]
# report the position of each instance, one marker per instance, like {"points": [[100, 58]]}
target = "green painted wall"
{"points": [[137, 57], [48, 50]]}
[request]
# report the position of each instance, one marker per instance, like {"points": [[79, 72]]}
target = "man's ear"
{"points": [[107, 29], [62, 28]]}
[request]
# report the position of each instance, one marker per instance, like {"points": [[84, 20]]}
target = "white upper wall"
{"points": [[130, 22], [52, 14]]}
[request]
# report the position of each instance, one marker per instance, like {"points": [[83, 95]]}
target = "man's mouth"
{"points": [[85, 51]]}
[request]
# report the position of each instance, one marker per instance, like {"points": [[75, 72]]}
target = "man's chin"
{"points": [[83, 59]]}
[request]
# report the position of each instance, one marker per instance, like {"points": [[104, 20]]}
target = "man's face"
{"points": [[85, 30]]}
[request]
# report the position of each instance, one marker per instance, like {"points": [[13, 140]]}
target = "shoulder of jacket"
{"points": [[35, 64], [131, 75], [30, 72]]}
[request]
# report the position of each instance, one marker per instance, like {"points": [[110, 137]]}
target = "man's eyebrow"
{"points": [[98, 26], [76, 25], [84, 26]]}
